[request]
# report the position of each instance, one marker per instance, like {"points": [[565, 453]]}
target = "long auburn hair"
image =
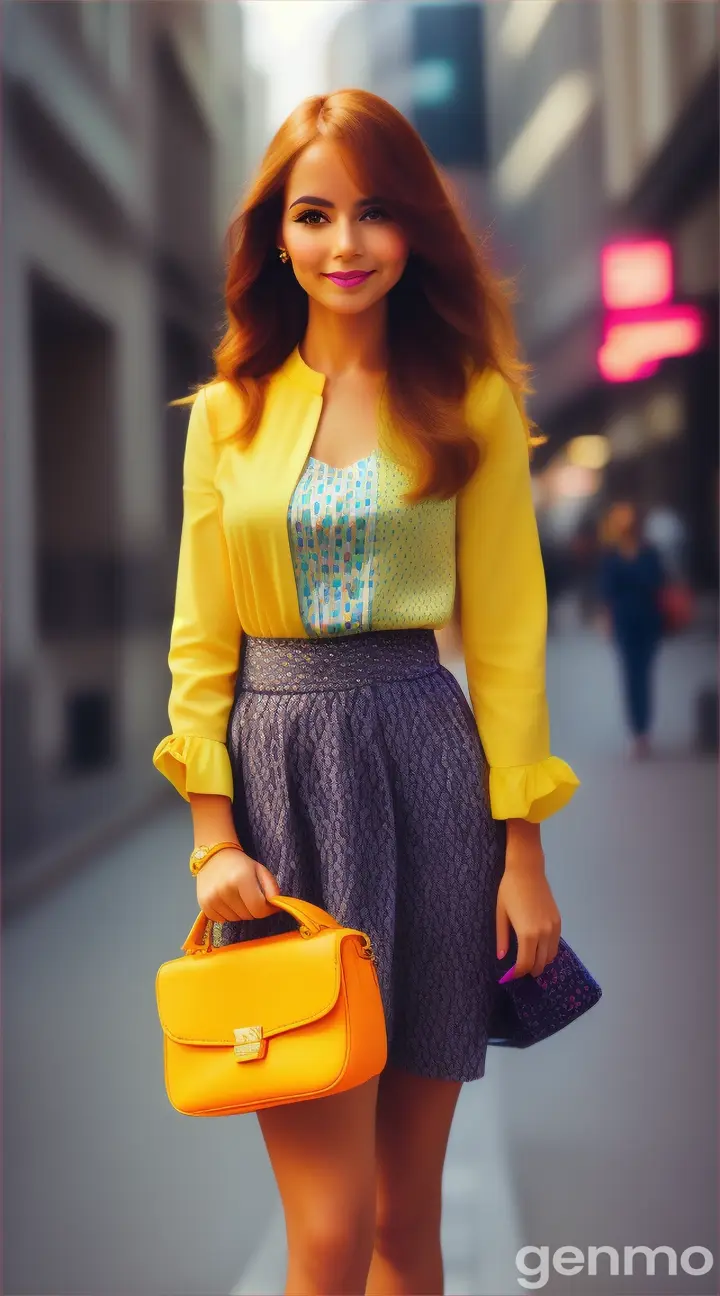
{"points": [[448, 316]]}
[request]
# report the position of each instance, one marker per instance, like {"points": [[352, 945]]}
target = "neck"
{"points": [[346, 346]]}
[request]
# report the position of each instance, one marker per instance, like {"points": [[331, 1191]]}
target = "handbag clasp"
{"points": [[249, 1043], [367, 951]]}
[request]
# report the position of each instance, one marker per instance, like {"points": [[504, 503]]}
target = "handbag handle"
{"points": [[311, 919]]}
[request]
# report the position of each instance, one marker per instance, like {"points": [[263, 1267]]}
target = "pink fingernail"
{"points": [[502, 953], [508, 975]]}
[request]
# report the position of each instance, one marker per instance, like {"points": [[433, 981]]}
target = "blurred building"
{"points": [[604, 127], [252, 133], [662, 114], [544, 95], [426, 60], [124, 150], [566, 127]]}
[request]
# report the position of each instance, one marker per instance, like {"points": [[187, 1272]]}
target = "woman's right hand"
{"points": [[233, 886]]}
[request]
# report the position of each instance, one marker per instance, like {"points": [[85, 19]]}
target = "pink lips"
{"points": [[349, 279]]}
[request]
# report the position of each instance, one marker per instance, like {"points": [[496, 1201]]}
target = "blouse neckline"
{"points": [[331, 468]]}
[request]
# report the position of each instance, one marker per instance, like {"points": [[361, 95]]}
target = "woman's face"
{"points": [[342, 233]]}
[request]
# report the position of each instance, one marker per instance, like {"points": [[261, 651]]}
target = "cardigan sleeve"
{"points": [[503, 612], [205, 636]]}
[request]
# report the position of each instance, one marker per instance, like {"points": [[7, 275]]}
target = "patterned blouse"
{"points": [[362, 560]]}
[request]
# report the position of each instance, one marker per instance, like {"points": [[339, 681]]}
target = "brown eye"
{"points": [[303, 218]]}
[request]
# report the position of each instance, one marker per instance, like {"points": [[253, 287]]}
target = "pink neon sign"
{"points": [[634, 346], [637, 274], [643, 326]]}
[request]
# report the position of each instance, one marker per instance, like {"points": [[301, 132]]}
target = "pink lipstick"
{"points": [[350, 279]]}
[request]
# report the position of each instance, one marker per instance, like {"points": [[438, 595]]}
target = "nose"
{"points": [[346, 238]]}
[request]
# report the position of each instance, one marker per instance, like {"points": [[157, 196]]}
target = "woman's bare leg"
{"points": [[323, 1156], [414, 1116]]}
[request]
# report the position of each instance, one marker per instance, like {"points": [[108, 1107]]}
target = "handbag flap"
{"points": [[277, 982]]}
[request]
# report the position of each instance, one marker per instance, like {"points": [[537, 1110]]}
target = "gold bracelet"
{"points": [[202, 854]]}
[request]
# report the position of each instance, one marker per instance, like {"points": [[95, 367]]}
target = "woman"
{"points": [[362, 447], [631, 576]]}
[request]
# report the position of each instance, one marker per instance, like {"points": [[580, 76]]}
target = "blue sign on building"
{"points": [[447, 82]]}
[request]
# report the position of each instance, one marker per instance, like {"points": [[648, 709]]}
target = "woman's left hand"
{"points": [[526, 903]]}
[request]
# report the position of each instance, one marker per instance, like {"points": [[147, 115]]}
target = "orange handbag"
{"points": [[279, 1019]]}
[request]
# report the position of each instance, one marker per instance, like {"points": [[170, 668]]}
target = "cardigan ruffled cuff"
{"points": [[194, 764], [532, 792]]}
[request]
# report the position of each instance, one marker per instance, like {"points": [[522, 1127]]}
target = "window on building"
{"points": [[105, 26], [447, 83]]}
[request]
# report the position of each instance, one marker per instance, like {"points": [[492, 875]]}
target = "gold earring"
{"points": [[284, 254]]}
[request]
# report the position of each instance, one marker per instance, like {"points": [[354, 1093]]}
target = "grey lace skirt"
{"points": [[361, 783]]}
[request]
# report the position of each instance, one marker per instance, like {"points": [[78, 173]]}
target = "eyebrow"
{"points": [[323, 202]]}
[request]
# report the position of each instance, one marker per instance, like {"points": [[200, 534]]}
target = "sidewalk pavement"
{"points": [[605, 1134]]}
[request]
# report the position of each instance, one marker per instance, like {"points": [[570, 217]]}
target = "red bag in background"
{"points": [[677, 605]]}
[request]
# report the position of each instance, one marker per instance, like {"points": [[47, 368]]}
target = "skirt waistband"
{"points": [[342, 661]]}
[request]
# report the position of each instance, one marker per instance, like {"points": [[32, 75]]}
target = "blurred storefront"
{"points": [[124, 150], [604, 128], [662, 140]]}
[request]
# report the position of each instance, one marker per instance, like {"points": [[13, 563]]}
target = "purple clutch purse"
{"points": [[531, 1008]]}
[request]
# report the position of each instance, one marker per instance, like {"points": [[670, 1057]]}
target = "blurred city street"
{"points": [[580, 144], [604, 1135]]}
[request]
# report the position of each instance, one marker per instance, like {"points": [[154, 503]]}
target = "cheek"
{"points": [[393, 248], [302, 243]]}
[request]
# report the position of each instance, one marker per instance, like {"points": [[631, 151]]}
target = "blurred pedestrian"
{"points": [[631, 577], [361, 451]]}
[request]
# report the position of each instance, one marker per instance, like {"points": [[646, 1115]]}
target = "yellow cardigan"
{"points": [[236, 575]]}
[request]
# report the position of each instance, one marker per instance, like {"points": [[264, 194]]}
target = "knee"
{"points": [[404, 1229], [333, 1246]]}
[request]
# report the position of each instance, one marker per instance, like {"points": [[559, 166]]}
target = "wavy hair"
{"points": [[448, 316]]}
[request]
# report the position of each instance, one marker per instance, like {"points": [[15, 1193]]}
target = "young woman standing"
{"points": [[361, 453]]}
